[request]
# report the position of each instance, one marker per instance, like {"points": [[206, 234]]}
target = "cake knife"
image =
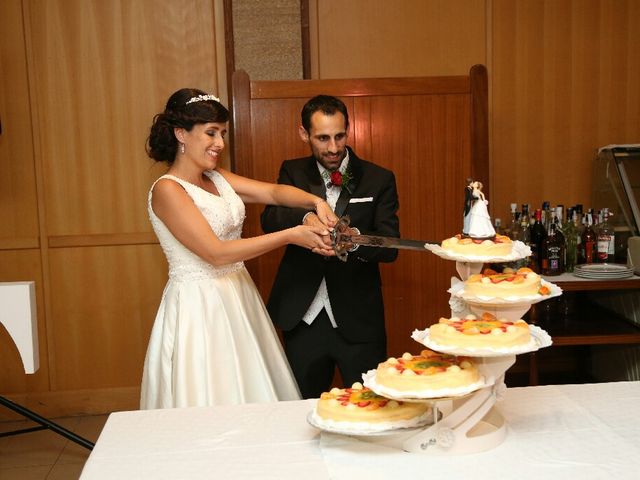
{"points": [[343, 240]]}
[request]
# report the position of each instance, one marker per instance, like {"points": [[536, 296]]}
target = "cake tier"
{"points": [[428, 371], [498, 247], [484, 332], [521, 283], [361, 404]]}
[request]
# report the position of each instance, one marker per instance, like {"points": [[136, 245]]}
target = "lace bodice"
{"points": [[225, 214]]}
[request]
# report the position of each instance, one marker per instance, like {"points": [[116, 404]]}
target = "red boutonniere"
{"points": [[339, 179]]}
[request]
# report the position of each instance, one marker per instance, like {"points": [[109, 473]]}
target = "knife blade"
{"points": [[343, 240]]}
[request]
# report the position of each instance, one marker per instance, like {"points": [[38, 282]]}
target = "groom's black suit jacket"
{"points": [[354, 286]]}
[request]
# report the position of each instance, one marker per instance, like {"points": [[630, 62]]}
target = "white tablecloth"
{"points": [[566, 431]]}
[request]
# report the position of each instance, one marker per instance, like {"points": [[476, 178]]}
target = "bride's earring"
{"points": [[181, 147]]}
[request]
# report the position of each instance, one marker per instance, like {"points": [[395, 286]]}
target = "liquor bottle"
{"points": [[523, 235], [552, 253], [578, 209], [513, 226], [559, 216], [594, 220], [546, 215], [497, 226], [588, 241], [538, 234], [605, 239], [524, 231], [577, 221], [570, 240], [557, 219]]}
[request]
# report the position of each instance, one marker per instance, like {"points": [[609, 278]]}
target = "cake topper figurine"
{"points": [[477, 222]]}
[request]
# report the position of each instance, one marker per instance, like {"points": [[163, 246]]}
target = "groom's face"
{"points": [[327, 139]]}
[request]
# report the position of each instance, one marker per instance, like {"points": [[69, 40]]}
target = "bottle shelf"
{"points": [[570, 283], [573, 320]]}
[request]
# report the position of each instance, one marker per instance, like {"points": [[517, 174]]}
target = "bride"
{"points": [[213, 342]]}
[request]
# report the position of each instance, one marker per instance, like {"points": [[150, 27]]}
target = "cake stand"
{"points": [[471, 424], [466, 423]]}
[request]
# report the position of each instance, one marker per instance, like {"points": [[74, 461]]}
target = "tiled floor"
{"points": [[45, 455]]}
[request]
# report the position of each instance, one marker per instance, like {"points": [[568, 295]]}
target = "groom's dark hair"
{"points": [[326, 104]]}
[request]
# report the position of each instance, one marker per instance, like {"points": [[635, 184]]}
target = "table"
{"points": [[577, 319], [556, 431]]}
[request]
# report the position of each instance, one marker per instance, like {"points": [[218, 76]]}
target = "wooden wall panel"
{"points": [[563, 76], [396, 38], [419, 128], [104, 69], [564, 82], [104, 301], [265, 166], [425, 141], [91, 75], [18, 204]]}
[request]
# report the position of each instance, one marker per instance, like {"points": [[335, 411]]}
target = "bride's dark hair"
{"points": [[185, 108]]}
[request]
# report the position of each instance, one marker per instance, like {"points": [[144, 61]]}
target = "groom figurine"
{"points": [[331, 312]]}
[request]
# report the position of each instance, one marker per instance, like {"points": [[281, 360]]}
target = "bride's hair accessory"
{"points": [[202, 98]]}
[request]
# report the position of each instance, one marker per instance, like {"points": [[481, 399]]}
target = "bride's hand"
{"points": [[313, 238]]}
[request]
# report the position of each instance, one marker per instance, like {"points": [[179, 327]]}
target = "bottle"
{"points": [[497, 226], [570, 241], [577, 221], [524, 214], [588, 241], [538, 234], [523, 229], [552, 252], [545, 214], [605, 240], [523, 235], [513, 226], [557, 219]]}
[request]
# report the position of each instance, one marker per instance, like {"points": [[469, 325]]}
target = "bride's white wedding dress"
{"points": [[479, 220], [212, 342]]}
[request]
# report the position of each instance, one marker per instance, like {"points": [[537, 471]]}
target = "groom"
{"points": [[331, 312]]}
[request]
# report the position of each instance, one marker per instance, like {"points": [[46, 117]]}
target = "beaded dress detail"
{"points": [[212, 342]]}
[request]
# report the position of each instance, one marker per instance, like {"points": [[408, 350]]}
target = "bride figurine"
{"points": [[477, 222]]}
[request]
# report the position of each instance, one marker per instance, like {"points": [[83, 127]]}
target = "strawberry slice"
{"points": [[498, 278]]}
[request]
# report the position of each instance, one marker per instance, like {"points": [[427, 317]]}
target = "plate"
{"points": [[603, 271], [610, 268], [369, 380], [519, 250], [594, 276], [458, 291], [539, 339], [362, 428]]}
